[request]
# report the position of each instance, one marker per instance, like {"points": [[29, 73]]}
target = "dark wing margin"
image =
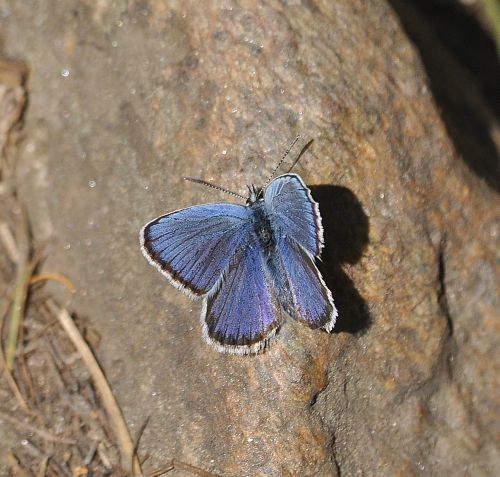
{"points": [[193, 247], [294, 213], [242, 314]]}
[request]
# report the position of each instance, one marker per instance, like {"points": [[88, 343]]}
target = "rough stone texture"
{"points": [[12, 102], [126, 97]]}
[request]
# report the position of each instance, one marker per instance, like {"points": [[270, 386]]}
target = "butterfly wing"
{"points": [[294, 213], [193, 247], [311, 298], [296, 223], [242, 314]]}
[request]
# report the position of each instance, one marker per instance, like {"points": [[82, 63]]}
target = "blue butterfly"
{"points": [[249, 263]]}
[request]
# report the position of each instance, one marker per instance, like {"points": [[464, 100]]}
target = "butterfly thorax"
{"points": [[262, 225]]}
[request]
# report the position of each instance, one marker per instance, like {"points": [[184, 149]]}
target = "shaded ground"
{"points": [[461, 59]]}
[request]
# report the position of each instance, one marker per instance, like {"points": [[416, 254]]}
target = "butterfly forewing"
{"points": [[194, 246], [294, 213]]}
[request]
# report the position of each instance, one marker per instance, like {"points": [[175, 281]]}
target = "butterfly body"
{"points": [[262, 227], [249, 263]]}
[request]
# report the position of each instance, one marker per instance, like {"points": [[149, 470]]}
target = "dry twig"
{"points": [[129, 460]]}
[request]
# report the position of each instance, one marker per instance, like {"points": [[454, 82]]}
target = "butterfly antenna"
{"points": [[281, 161], [219, 188], [304, 149]]}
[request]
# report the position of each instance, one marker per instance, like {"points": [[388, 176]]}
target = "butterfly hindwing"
{"points": [[312, 300], [294, 213], [243, 313], [194, 246]]}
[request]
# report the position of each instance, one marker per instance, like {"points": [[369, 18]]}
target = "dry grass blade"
{"points": [[13, 385], [34, 451], [9, 242], [177, 465], [18, 305], [194, 470], [129, 460], [17, 468], [8, 375], [493, 11], [25, 267], [39, 432], [54, 276], [139, 434], [42, 471], [161, 470]]}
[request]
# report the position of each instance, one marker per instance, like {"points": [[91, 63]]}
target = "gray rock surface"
{"points": [[127, 97]]}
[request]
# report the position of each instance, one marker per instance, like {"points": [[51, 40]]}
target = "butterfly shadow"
{"points": [[346, 230]]}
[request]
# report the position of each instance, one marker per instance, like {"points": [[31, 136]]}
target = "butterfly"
{"points": [[250, 263]]}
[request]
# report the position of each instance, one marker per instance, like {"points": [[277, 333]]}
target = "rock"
{"points": [[124, 100], [12, 102]]}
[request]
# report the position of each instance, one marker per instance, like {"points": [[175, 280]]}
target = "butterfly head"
{"points": [[254, 194]]}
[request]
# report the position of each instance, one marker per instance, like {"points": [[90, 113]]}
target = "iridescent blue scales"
{"points": [[251, 264]]}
